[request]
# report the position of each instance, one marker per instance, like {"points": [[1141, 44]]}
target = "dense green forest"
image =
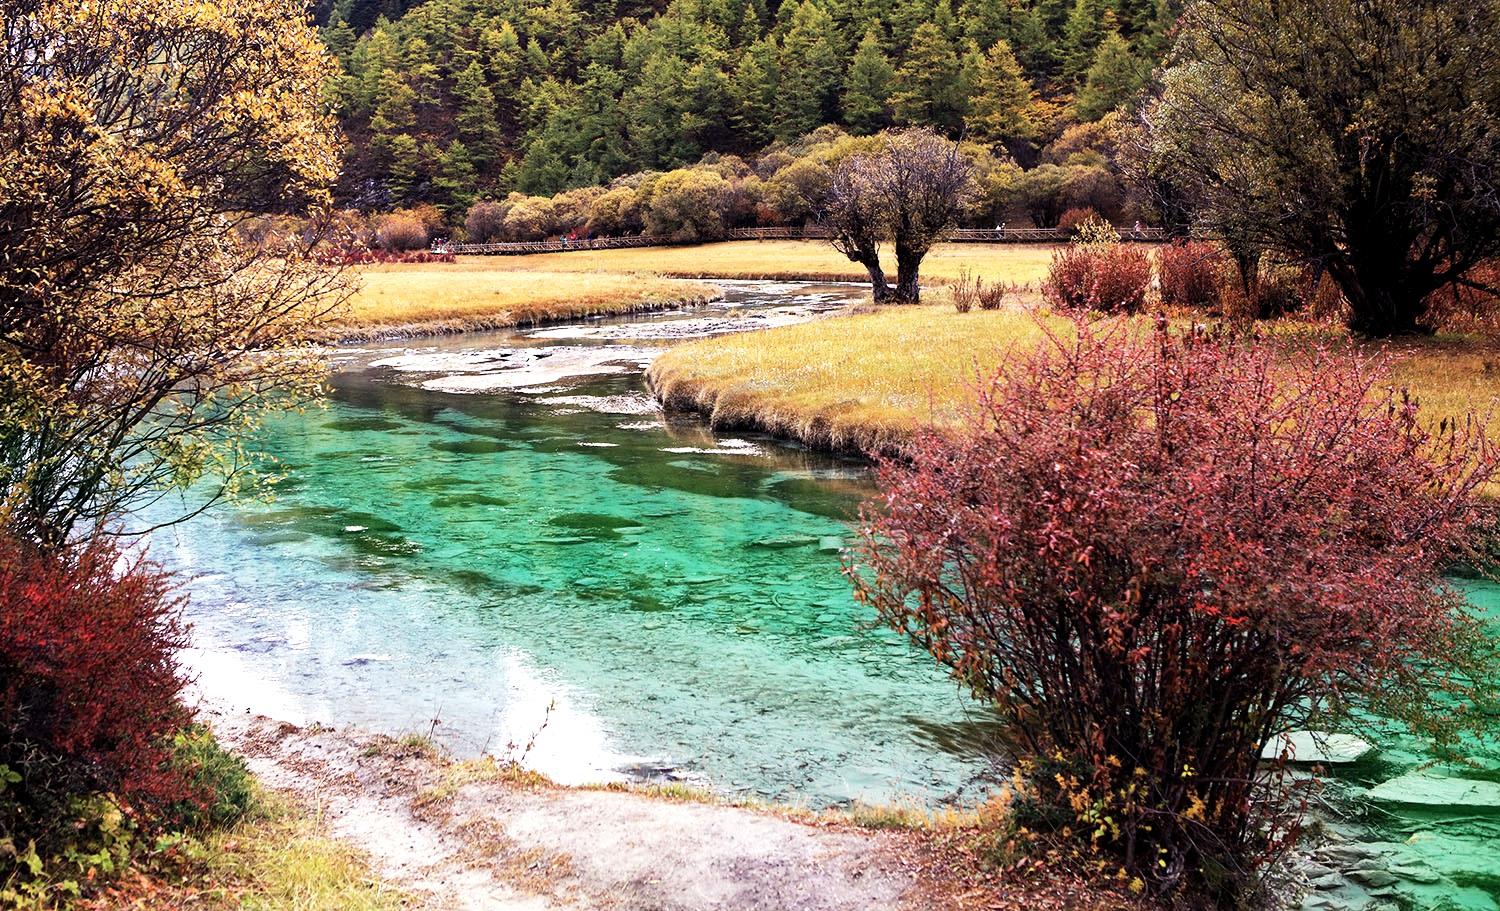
{"points": [[446, 101]]}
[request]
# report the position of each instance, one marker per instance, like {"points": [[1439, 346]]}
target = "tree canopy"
{"points": [[1373, 151], [134, 322]]}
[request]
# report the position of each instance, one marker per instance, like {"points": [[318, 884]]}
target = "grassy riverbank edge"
{"points": [[865, 382], [438, 299], [493, 829], [504, 319]]}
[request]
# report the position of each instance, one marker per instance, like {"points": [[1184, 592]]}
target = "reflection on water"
{"points": [[659, 596]]}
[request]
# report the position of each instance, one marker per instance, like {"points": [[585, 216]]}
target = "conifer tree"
{"points": [[807, 96], [367, 65], [475, 122], [905, 18], [339, 37], [943, 18], [1034, 48], [395, 105], [928, 85], [753, 91], [985, 21], [706, 103], [653, 110], [1116, 74], [1000, 107], [868, 93], [454, 180], [406, 164], [1087, 25]]}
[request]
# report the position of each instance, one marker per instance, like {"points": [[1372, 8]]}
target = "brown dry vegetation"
{"points": [[439, 298], [866, 382]]}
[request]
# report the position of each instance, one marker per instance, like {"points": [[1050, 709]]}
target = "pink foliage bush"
{"points": [[1191, 274], [1151, 552], [1111, 278]]}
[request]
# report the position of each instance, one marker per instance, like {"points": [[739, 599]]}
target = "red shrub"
{"points": [[1072, 218], [89, 685], [1191, 274], [1465, 308], [1153, 553], [1106, 277]]}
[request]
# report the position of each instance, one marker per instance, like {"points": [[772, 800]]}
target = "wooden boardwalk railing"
{"points": [[812, 232]]}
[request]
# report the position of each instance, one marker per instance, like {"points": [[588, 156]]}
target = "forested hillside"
{"points": [[450, 100]]}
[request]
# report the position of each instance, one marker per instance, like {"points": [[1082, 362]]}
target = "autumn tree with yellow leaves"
{"points": [[139, 340]]}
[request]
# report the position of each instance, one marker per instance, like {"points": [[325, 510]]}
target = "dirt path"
{"points": [[468, 836]]}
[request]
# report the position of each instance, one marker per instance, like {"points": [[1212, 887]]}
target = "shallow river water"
{"points": [[479, 563], [499, 540]]}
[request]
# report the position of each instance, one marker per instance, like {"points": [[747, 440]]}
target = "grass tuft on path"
{"points": [[278, 858]]}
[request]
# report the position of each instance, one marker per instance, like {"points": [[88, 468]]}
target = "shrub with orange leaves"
{"points": [[89, 686], [1153, 552], [1107, 275]]}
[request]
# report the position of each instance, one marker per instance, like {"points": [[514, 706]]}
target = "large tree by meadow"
{"points": [[139, 337], [1359, 135], [909, 191]]}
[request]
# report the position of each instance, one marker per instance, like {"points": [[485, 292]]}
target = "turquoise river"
{"points": [[499, 540]]}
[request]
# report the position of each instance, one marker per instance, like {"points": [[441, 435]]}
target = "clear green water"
{"points": [[466, 558], [673, 596]]}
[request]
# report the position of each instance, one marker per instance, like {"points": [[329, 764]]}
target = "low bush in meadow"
{"points": [[1151, 552], [400, 232], [1107, 276], [1191, 274]]}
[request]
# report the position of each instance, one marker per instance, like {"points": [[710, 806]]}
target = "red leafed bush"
{"points": [[1072, 218], [1191, 274], [1473, 307], [1111, 278], [89, 685], [1151, 553]]}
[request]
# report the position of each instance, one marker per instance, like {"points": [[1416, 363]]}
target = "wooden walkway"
{"points": [[961, 235]]}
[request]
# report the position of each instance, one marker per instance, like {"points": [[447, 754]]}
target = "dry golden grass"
{"points": [[861, 382], [866, 382], [779, 259], [279, 858], [434, 298]]}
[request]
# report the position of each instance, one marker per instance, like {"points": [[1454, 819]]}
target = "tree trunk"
{"points": [[879, 289], [1383, 298], [908, 284]]}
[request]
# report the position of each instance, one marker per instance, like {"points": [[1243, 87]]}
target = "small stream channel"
{"points": [[499, 540]]}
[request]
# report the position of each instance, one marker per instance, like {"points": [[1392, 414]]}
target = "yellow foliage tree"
{"points": [[139, 338]]}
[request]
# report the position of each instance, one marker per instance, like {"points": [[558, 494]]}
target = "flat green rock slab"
{"points": [[1317, 747], [1417, 790]]}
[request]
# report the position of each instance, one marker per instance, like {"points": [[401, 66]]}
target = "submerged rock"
{"points": [[783, 542], [1415, 789], [1317, 748]]}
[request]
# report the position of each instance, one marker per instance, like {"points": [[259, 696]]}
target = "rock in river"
{"points": [[1317, 748], [1415, 789]]}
